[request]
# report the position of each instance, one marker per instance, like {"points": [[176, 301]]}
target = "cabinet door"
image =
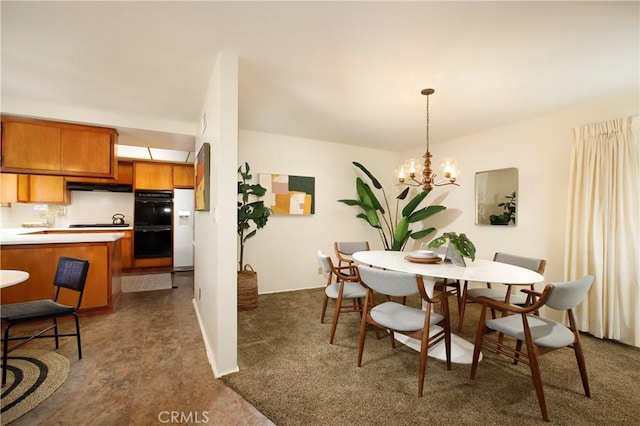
{"points": [[47, 189], [127, 252], [183, 176], [30, 146], [157, 176], [8, 188], [87, 152]]}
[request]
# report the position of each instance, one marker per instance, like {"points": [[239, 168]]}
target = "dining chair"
{"points": [[344, 250], [399, 318], [446, 284], [71, 275], [471, 295], [539, 335], [346, 288]]}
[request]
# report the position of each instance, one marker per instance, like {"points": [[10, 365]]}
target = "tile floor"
{"points": [[143, 365]]}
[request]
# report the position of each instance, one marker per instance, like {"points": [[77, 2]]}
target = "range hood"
{"points": [[105, 187]]}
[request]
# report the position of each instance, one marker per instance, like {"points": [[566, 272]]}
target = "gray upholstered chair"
{"points": [[345, 288], [345, 249], [399, 318], [539, 335], [471, 295]]}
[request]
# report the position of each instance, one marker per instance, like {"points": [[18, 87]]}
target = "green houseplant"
{"points": [[394, 232], [509, 214], [460, 243], [252, 215]]}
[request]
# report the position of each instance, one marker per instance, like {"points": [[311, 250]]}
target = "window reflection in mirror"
{"points": [[496, 197]]}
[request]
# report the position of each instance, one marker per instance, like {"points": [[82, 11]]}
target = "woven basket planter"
{"points": [[247, 289]]}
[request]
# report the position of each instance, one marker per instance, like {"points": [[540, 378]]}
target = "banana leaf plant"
{"points": [[394, 233], [249, 212]]}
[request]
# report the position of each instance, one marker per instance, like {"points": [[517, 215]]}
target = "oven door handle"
{"points": [[154, 229]]}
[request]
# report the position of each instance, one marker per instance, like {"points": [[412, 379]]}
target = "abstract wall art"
{"points": [[201, 169], [287, 194]]}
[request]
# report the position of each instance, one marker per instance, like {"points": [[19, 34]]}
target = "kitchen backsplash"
{"points": [[85, 207]]}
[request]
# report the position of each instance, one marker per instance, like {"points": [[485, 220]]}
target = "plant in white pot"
{"points": [[252, 215]]}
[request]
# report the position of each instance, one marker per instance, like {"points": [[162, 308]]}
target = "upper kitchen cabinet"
{"points": [[154, 176], [33, 189], [44, 147], [124, 176], [183, 176]]}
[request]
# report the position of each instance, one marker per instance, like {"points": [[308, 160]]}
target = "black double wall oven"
{"points": [[152, 224]]}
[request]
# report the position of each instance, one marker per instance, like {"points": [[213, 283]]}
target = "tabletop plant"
{"points": [[460, 243], [394, 233], [253, 213]]}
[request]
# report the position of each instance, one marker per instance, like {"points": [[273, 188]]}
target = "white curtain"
{"points": [[603, 227]]}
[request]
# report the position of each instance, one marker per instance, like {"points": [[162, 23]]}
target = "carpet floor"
{"points": [[290, 372]]}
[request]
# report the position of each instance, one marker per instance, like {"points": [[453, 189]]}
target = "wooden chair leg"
{"points": [[577, 349], [516, 357], [532, 353], [363, 328], [336, 315], [324, 308], [481, 331]]}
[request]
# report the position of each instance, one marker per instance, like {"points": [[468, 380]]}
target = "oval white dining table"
{"points": [[9, 277], [479, 270]]}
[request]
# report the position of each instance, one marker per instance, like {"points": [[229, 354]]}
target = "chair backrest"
{"points": [[531, 263], [350, 247], [325, 262], [391, 283], [71, 274], [568, 294]]}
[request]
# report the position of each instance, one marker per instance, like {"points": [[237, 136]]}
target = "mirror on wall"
{"points": [[496, 197]]}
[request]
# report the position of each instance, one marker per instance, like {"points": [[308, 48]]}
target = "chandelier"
{"points": [[427, 179]]}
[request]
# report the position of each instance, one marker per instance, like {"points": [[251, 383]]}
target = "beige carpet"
{"points": [[32, 376], [146, 282], [290, 372]]}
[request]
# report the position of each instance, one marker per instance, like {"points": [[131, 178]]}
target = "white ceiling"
{"points": [[347, 72]]}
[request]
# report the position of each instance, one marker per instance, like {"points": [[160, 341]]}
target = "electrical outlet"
{"points": [[319, 270]]}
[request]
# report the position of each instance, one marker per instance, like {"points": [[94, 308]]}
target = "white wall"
{"points": [[283, 253], [214, 264], [541, 150]]}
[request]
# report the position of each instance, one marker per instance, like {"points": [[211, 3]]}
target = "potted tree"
{"points": [[252, 215]]}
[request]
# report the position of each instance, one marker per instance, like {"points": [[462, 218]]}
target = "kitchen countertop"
{"points": [[14, 236]]}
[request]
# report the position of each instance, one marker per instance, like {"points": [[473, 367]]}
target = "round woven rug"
{"points": [[32, 376]]}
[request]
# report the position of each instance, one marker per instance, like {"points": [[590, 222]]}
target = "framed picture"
{"points": [[287, 194], [201, 169]]}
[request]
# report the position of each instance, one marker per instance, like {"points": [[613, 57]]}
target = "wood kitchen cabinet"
{"points": [[183, 176], [124, 176], [34, 189], [154, 176], [42, 147]]}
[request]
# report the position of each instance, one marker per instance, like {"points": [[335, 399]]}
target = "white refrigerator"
{"points": [[183, 205]]}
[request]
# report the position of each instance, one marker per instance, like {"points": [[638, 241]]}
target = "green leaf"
{"points": [[350, 202], [400, 233], [372, 218], [421, 234], [425, 213], [413, 203], [437, 242], [403, 194], [368, 173]]}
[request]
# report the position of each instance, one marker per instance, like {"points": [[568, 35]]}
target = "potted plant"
{"points": [[509, 214], [394, 233], [252, 215], [462, 245]]}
